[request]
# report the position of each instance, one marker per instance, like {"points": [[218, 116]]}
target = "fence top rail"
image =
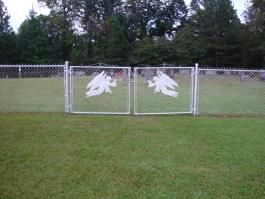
{"points": [[101, 67], [157, 67], [31, 65], [167, 65], [231, 70]]}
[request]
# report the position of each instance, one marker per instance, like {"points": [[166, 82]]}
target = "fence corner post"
{"points": [[195, 104]]}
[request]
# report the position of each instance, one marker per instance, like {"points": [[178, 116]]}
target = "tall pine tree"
{"points": [[8, 41], [35, 45], [216, 25], [255, 20], [63, 18], [117, 49]]}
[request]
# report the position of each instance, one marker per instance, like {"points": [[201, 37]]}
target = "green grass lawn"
{"points": [[227, 95], [117, 101], [77, 156], [32, 95]]}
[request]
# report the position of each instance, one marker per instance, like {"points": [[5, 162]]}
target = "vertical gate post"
{"points": [[19, 71], [70, 98], [192, 90], [135, 89], [66, 86], [129, 90], [195, 105]]}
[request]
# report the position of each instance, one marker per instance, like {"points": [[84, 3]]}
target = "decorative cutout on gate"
{"points": [[163, 84], [100, 84]]}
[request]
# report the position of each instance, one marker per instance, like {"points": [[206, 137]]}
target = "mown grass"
{"points": [[150, 102], [117, 101], [228, 95], [73, 156], [32, 95]]}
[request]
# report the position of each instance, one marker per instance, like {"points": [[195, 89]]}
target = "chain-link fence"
{"points": [[100, 89], [107, 90], [163, 90], [231, 92], [32, 88]]}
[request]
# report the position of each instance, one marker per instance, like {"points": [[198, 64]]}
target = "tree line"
{"points": [[137, 33]]}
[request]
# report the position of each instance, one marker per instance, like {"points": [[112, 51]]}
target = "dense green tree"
{"points": [[255, 15], [137, 32], [139, 14], [169, 16], [165, 50], [35, 46], [8, 48], [81, 51], [4, 19], [155, 17], [8, 41], [255, 20], [93, 19], [188, 47], [215, 23], [144, 53], [251, 53], [117, 49], [63, 16]]}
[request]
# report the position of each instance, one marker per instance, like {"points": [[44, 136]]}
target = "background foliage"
{"points": [[135, 32]]}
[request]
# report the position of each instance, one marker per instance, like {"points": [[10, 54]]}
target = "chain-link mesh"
{"points": [[32, 88], [231, 92], [163, 90], [102, 90], [157, 90]]}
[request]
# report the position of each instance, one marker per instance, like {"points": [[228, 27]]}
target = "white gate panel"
{"points": [[163, 90], [99, 90]]}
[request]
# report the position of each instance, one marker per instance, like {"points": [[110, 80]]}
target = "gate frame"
{"points": [[196, 85], [66, 87], [193, 75], [71, 93]]}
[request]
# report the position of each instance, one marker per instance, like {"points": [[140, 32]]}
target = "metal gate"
{"points": [[164, 90], [99, 90], [104, 89]]}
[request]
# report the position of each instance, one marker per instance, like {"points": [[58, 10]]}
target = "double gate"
{"points": [[119, 90], [100, 89]]}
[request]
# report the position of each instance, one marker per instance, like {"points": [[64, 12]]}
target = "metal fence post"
{"points": [[129, 90], [192, 90], [66, 86], [135, 91], [195, 105], [19, 72], [70, 72]]}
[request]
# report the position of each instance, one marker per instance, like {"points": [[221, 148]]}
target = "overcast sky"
{"points": [[19, 9]]}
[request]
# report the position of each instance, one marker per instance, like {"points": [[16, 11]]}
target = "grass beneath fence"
{"points": [[229, 96], [218, 95], [32, 95], [73, 156]]}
